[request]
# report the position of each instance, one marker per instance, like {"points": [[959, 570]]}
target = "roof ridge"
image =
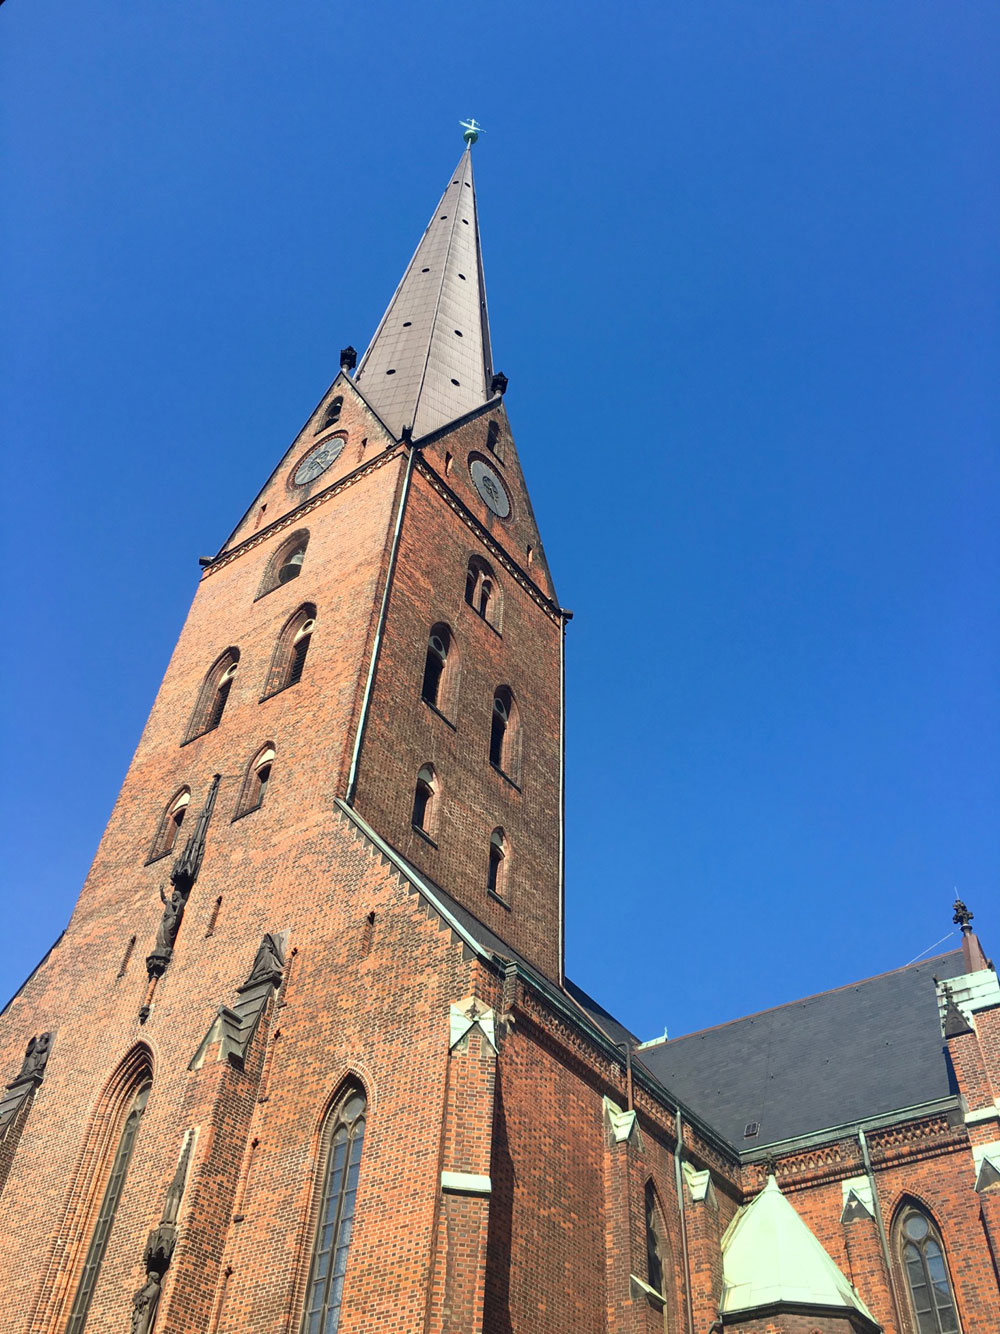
{"points": [[814, 995]]}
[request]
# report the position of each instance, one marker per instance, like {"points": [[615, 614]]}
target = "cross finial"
{"points": [[472, 129]]}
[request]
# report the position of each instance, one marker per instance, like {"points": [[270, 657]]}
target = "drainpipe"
{"points": [[352, 777], [679, 1184], [565, 617], [886, 1256]]}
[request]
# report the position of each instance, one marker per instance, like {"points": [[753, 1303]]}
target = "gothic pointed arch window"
{"points": [[255, 782], [505, 734], [498, 866], [129, 1106], [339, 1169], [439, 686], [659, 1258], [286, 563], [482, 592], [170, 823], [289, 658], [214, 694], [425, 801], [921, 1258]]}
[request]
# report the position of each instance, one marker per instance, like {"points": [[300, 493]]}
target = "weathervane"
{"points": [[472, 129]]}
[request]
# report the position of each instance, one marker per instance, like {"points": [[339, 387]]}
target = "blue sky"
{"points": [[743, 277]]}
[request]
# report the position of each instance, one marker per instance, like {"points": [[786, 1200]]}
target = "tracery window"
{"points": [[341, 1165], [439, 683], [290, 652], [505, 740], [170, 823], [106, 1214], [928, 1285], [482, 591], [213, 695], [496, 873], [424, 799], [286, 563], [255, 783]]}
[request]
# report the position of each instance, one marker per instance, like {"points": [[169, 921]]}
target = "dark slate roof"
{"points": [[829, 1060]]}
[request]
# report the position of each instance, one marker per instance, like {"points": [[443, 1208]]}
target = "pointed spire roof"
{"points": [[429, 361], [769, 1256]]}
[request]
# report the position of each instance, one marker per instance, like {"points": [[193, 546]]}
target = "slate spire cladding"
{"points": [[429, 361]]}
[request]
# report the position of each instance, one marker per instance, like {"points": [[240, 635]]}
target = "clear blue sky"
{"points": [[743, 276]]}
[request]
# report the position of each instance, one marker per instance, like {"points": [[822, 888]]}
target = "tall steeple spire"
{"points": [[429, 361]]}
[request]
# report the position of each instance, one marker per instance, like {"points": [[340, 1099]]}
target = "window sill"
{"points": [[158, 857], [480, 617], [240, 815], [506, 777], [434, 709], [642, 1290], [498, 898], [280, 691], [422, 834], [198, 735]]}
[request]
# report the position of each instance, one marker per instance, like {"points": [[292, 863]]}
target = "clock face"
{"points": [[318, 460], [490, 487]]}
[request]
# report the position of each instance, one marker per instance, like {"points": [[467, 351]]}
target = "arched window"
{"points": [[496, 874], [290, 652], [424, 799], [332, 413], [341, 1164], [928, 1285], [109, 1205], [255, 783], [439, 686], [170, 823], [214, 693], [505, 740], [482, 591], [286, 563]]}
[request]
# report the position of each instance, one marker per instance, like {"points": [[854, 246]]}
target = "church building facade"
{"points": [[306, 1059]]}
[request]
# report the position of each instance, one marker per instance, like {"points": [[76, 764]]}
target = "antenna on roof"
{"points": [[928, 949]]}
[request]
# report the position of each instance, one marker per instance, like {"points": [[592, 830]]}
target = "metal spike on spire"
{"points": [[430, 361], [472, 129]]}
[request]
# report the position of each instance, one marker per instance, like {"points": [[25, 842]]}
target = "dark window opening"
{"points": [[654, 1247], [498, 728], [423, 799], [332, 413], [437, 654], [497, 864]]}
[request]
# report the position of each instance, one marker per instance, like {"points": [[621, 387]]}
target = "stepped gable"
{"points": [[831, 1059]]}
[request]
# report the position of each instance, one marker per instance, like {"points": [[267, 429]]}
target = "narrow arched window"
{"points": [[928, 1284], [170, 823], [505, 739], [437, 668], [255, 783], [286, 563], [482, 592], [291, 650], [424, 799], [496, 874], [340, 1168], [654, 1250], [213, 695], [106, 1213], [332, 413]]}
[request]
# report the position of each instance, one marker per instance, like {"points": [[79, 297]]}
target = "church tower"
{"points": [[354, 759]]}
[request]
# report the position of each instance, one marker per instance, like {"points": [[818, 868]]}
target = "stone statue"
{"points": [[144, 1304], [35, 1058], [166, 934], [269, 962]]}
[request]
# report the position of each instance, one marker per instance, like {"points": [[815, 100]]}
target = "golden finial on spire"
{"points": [[472, 129]]}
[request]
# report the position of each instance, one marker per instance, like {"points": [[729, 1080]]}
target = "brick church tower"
{"points": [[305, 1060]]}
